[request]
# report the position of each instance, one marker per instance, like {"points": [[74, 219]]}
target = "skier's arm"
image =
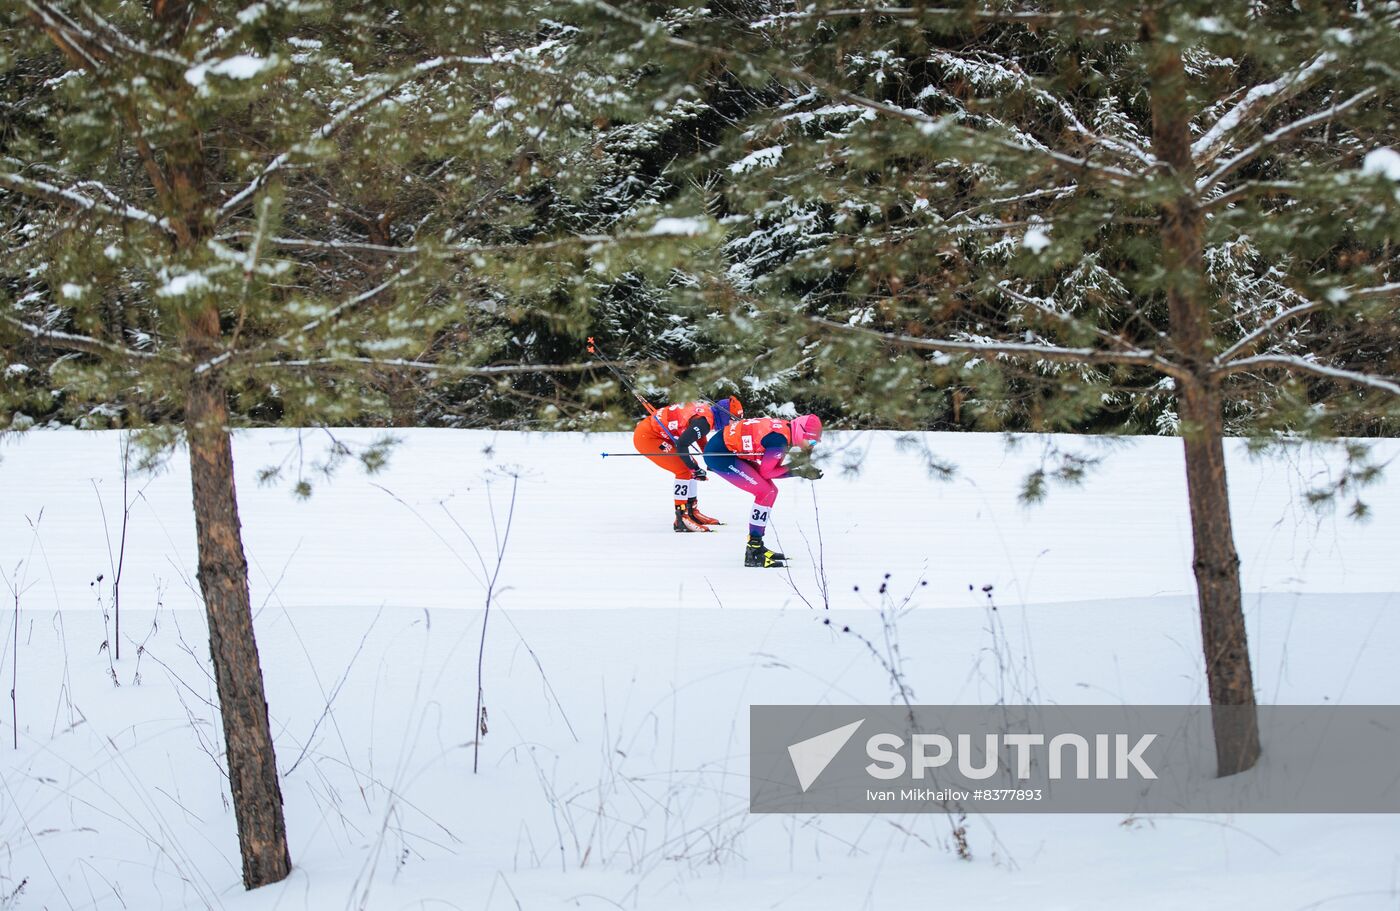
{"points": [[775, 446], [694, 432]]}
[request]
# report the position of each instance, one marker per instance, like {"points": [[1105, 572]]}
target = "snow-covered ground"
{"points": [[620, 662]]}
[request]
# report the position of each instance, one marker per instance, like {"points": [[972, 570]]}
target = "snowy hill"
{"points": [[620, 661]]}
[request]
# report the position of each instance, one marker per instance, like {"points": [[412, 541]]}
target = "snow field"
{"points": [[620, 661]]}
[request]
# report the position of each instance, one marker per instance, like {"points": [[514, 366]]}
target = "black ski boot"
{"points": [[755, 554], [684, 522]]}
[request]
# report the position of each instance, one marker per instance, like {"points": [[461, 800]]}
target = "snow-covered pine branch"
{"points": [[1008, 71], [330, 246], [448, 368], [68, 34], [1076, 165], [1030, 17], [128, 43], [335, 314], [70, 196], [1294, 364], [592, 243], [1250, 188], [1042, 307], [1300, 125], [1238, 353], [82, 344], [345, 116], [1390, 289], [1026, 351], [1059, 192], [1248, 342], [1255, 103], [662, 231]]}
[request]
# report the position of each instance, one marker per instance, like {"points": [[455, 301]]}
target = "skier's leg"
{"points": [[718, 461], [755, 553], [683, 484], [692, 504], [765, 495], [746, 477]]}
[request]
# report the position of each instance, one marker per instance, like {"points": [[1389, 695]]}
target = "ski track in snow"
{"points": [[620, 666], [594, 532]]}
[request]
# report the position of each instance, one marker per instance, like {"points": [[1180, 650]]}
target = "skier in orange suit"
{"points": [[666, 435]]}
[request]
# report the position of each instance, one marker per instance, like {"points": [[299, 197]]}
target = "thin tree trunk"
{"points": [[1229, 678], [223, 580], [402, 393]]}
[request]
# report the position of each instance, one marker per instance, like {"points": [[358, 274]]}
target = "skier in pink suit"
{"points": [[749, 454]]}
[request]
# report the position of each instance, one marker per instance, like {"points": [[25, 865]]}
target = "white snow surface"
{"points": [[621, 659]]}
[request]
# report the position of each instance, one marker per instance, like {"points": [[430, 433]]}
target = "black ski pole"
{"points": [[594, 350]]}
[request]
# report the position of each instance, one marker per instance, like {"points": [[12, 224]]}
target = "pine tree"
{"points": [[1166, 213], [218, 217]]}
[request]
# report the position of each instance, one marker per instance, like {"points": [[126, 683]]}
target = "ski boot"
{"points": [[684, 522], [755, 554], [698, 517]]}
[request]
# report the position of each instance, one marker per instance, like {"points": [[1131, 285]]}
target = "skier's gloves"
{"points": [[800, 464], [700, 475]]}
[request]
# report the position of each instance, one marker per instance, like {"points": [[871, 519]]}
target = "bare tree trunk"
{"points": [[402, 393], [1229, 677], [1230, 680], [223, 580]]}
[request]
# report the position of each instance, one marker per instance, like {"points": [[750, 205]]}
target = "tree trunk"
{"points": [[1229, 678], [1228, 675], [402, 394], [223, 580]]}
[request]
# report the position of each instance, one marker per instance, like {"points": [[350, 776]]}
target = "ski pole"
{"points": [[593, 349], [607, 362], [674, 455]]}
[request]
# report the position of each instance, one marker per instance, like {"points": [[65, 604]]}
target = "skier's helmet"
{"points": [[731, 405], [806, 429]]}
